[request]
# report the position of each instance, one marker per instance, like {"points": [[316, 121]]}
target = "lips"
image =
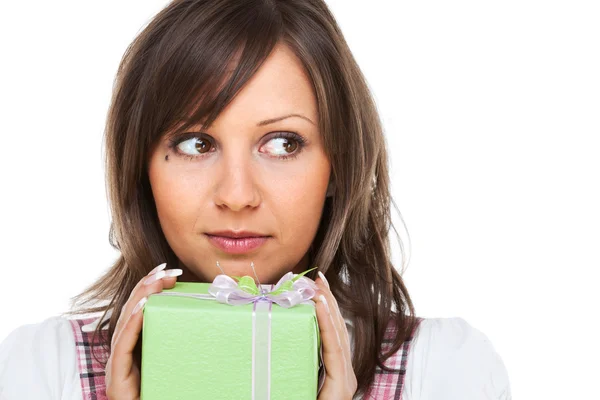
{"points": [[236, 234], [239, 245]]}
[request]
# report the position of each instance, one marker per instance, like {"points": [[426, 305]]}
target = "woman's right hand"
{"points": [[122, 375]]}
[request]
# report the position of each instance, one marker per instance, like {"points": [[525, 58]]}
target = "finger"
{"points": [[154, 283], [126, 339], [132, 295], [333, 353], [337, 317], [140, 283], [323, 284]]}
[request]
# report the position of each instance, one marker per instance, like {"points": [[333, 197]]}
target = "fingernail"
{"points": [[173, 272], [159, 268], [154, 278], [324, 301], [324, 279], [139, 305]]}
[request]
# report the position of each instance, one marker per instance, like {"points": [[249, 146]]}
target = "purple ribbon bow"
{"points": [[226, 290]]}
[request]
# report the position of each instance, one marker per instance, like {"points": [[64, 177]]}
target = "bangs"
{"points": [[202, 61]]}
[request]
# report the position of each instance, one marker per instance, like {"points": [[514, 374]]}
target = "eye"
{"points": [[285, 144], [191, 145]]}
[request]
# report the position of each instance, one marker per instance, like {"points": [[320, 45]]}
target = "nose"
{"points": [[236, 188]]}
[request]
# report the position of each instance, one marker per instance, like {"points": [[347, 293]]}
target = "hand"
{"points": [[122, 375], [340, 381]]}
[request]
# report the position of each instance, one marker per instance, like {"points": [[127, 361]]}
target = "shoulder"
{"points": [[39, 361], [452, 359]]}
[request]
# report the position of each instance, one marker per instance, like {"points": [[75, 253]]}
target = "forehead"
{"points": [[280, 86]]}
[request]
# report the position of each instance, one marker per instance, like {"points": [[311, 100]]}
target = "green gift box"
{"points": [[200, 348]]}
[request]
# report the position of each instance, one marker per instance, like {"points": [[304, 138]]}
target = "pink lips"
{"points": [[237, 246]]}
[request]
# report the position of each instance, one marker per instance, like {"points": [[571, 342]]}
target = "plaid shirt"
{"points": [[386, 385]]}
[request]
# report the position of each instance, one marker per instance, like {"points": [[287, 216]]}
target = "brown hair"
{"points": [[175, 74]]}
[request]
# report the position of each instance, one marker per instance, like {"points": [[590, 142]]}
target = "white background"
{"points": [[492, 116]]}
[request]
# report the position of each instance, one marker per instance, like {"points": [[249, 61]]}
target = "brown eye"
{"points": [[291, 145], [283, 145], [202, 145], [193, 146]]}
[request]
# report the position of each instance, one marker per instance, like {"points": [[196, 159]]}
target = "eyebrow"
{"points": [[276, 119], [273, 120]]}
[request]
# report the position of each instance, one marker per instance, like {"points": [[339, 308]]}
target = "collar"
{"points": [[92, 325]]}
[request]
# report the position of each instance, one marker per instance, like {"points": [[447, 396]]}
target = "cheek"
{"points": [[177, 201], [298, 205]]}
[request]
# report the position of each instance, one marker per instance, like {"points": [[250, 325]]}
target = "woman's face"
{"points": [[239, 175]]}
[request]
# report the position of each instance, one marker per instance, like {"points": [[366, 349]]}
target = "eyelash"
{"points": [[174, 142]]}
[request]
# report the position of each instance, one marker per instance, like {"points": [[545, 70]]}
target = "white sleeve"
{"points": [[451, 360], [38, 361]]}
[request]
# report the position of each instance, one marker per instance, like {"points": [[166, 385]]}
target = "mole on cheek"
{"points": [[167, 157]]}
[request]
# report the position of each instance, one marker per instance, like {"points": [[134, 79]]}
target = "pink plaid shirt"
{"points": [[386, 385]]}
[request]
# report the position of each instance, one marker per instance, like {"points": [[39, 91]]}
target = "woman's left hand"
{"points": [[340, 381]]}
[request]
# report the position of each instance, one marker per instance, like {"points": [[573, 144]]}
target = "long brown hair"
{"points": [[177, 73]]}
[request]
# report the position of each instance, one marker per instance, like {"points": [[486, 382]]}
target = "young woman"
{"points": [[250, 119]]}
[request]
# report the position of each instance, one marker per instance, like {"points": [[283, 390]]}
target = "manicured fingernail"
{"points": [[153, 278], [324, 301], [324, 279], [159, 268], [173, 272], [139, 305]]}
